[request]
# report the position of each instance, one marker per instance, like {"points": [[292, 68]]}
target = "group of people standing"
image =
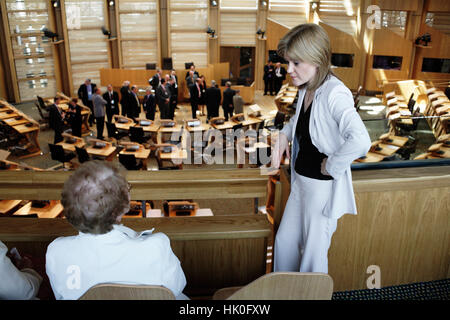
{"points": [[274, 75]]}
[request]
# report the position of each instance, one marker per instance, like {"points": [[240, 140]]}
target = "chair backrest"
{"points": [[41, 103], [39, 110], [57, 152], [136, 134], [82, 154], [128, 161], [110, 291], [287, 286]]}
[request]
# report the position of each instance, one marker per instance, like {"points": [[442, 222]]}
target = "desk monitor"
{"points": [[168, 123], [193, 123]]}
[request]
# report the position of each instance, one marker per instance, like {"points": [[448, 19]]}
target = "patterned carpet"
{"points": [[432, 290]]}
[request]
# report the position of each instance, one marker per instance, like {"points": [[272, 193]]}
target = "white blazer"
{"points": [[75, 264], [16, 284], [337, 131]]}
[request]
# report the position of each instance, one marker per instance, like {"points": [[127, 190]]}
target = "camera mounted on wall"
{"points": [[423, 40]]}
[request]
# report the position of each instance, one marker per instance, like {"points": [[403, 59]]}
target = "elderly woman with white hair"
{"points": [[327, 135], [95, 198]]}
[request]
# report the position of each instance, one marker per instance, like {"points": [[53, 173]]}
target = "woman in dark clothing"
{"points": [[73, 117], [202, 101]]}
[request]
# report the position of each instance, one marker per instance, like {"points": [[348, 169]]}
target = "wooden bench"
{"points": [[215, 252]]}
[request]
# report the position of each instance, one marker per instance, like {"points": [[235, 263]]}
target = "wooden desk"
{"points": [[51, 210], [177, 156], [12, 165], [8, 205], [202, 127], [157, 213], [5, 115], [394, 140], [125, 126], [371, 157], [71, 146], [13, 122], [106, 152], [251, 122], [175, 128], [31, 134], [224, 126], [386, 149], [141, 154]]}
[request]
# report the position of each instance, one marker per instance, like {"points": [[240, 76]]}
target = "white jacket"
{"points": [[16, 284], [75, 264], [337, 131]]}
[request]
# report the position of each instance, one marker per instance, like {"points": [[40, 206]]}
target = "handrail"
{"points": [[146, 185]]}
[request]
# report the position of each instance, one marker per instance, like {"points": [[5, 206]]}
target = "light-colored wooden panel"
{"points": [[402, 226]]}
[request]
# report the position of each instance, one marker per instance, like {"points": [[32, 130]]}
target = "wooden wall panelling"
{"points": [[5, 74], [214, 252], [163, 30], [402, 226], [67, 62], [439, 48], [398, 5], [387, 43], [260, 49], [342, 42], [214, 43], [438, 5], [60, 73], [14, 95]]}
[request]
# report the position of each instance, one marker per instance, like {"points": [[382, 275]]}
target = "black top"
{"points": [[309, 159]]}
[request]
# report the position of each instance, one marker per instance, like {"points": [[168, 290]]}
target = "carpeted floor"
{"points": [[432, 290]]}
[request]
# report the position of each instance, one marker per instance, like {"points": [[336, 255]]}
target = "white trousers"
{"points": [[304, 235]]}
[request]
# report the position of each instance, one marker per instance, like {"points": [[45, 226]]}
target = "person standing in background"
{"points": [[213, 96], [76, 119], [56, 120], [85, 93], [135, 104], [268, 78], [112, 105], [99, 112], [173, 75], [280, 76], [163, 99], [227, 103], [125, 97], [238, 103], [149, 104]]}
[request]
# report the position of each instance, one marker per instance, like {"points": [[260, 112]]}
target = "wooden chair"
{"points": [[282, 286], [110, 291]]}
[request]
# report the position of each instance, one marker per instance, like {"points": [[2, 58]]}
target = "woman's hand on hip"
{"points": [[281, 146]]}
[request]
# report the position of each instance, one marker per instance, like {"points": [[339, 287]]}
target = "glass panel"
{"points": [[189, 41], [238, 29], [387, 62], [43, 87], [289, 12], [86, 40], [436, 65]]}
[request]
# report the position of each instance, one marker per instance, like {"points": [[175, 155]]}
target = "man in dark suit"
{"points": [[280, 76], [212, 98], [227, 103], [85, 93], [56, 120], [135, 104], [269, 74], [149, 104], [125, 93], [173, 75], [112, 102], [163, 99], [195, 93], [75, 118], [156, 79], [173, 97]]}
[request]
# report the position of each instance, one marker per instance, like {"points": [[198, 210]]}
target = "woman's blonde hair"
{"points": [[309, 43], [95, 195]]}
